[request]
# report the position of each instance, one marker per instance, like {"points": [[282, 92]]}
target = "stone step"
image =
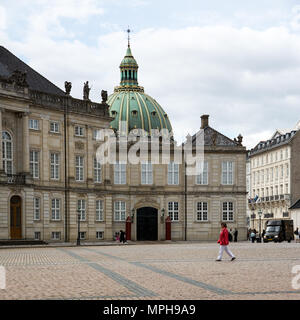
{"points": [[21, 242]]}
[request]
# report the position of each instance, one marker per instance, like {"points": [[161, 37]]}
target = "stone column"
{"points": [[1, 162], [25, 143]]}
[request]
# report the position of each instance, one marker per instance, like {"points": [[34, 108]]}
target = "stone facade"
{"points": [[274, 178], [53, 177]]}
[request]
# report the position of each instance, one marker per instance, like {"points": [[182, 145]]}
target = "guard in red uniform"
{"points": [[223, 241]]}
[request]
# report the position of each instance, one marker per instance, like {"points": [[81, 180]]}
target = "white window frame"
{"points": [[146, 173], [97, 171], [54, 126], [120, 211], [81, 209], [173, 210], [173, 173], [55, 209], [202, 173], [37, 235], [36, 209], [102, 235], [33, 124], [99, 210], [120, 172], [79, 131], [96, 134], [227, 172], [7, 155], [82, 235], [202, 211], [54, 165], [55, 235], [228, 211], [34, 156], [79, 168]]}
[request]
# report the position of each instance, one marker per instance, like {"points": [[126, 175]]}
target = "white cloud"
{"points": [[2, 18], [246, 79]]}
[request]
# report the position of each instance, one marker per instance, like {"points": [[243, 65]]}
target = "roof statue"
{"points": [[86, 91], [68, 87]]}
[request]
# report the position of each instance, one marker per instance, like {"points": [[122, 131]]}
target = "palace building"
{"points": [[274, 184], [51, 176]]}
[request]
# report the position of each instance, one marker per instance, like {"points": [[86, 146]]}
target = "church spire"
{"points": [[129, 67]]}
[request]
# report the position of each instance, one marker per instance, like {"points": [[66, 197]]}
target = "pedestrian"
{"points": [[252, 236], [297, 234], [235, 234], [263, 233], [117, 236], [122, 236], [230, 235], [223, 241]]}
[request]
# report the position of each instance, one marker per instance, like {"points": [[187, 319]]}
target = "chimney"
{"points": [[204, 121]]}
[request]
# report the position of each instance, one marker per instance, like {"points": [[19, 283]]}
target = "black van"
{"points": [[279, 230]]}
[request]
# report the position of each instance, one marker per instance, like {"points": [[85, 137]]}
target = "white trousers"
{"points": [[222, 248]]}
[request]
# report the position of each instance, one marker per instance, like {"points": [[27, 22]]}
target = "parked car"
{"points": [[279, 230]]}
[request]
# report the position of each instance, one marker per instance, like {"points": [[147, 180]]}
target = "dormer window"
{"points": [[114, 113], [134, 113], [153, 113]]}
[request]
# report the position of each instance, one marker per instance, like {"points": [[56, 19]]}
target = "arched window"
{"points": [[7, 152]]}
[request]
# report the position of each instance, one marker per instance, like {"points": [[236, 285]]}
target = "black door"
{"points": [[147, 224]]}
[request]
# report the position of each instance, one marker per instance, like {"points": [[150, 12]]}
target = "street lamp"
{"points": [[78, 223], [259, 214]]}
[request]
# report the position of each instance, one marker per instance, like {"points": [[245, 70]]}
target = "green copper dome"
{"points": [[131, 107]]}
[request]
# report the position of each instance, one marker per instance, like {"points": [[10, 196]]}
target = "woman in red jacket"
{"points": [[223, 241]]}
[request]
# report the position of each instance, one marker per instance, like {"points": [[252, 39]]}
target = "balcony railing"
{"points": [[268, 215], [16, 178], [285, 214]]}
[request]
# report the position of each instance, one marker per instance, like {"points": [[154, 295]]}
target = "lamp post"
{"points": [[259, 214], [78, 223], [132, 215]]}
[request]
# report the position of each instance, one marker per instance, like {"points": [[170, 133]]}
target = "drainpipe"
{"points": [[66, 167]]}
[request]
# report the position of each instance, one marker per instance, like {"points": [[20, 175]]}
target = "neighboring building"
{"points": [[49, 171], [275, 183], [295, 214]]}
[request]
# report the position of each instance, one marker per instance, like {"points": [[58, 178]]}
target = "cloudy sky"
{"points": [[238, 61]]}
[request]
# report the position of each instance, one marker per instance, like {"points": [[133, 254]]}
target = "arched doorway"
{"points": [[15, 217], [147, 224]]}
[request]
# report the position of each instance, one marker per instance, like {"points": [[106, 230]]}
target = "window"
{"points": [[54, 127], [34, 164], [79, 168], [173, 211], [55, 235], [287, 171], [173, 173], [202, 211], [272, 174], [79, 131], [55, 209], [227, 172], [202, 173], [120, 173], [97, 171], [54, 166], [120, 211], [33, 124], [36, 208], [99, 210], [82, 235], [37, 235], [146, 173], [100, 235], [281, 171], [81, 209], [276, 173], [227, 213], [7, 152], [96, 134]]}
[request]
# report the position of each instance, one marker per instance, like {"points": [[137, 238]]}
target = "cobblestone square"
{"points": [[155, 271]]}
